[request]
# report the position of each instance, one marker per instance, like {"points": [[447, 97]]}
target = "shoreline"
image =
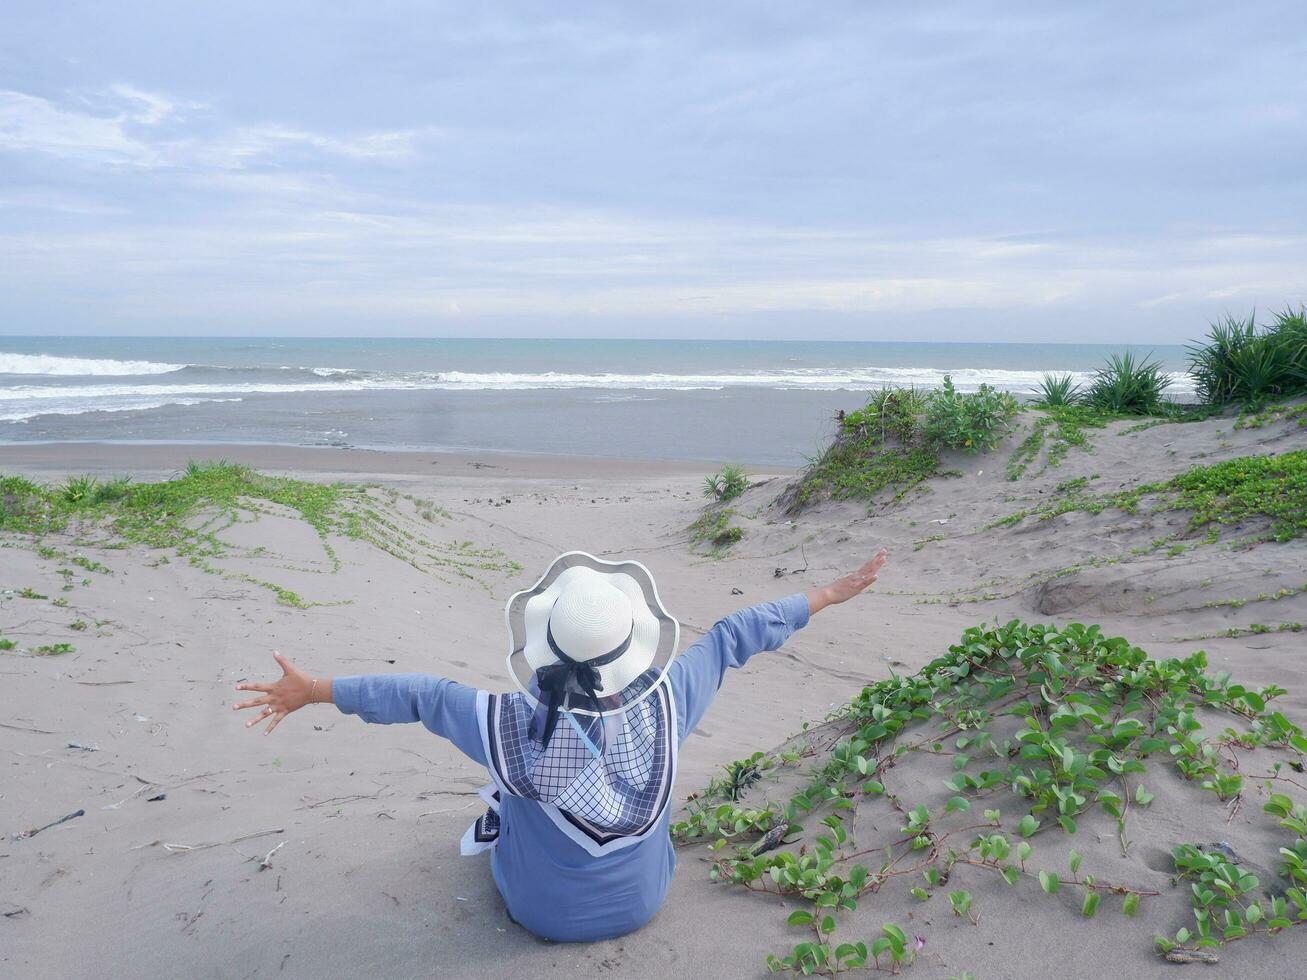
{"points": [[104, 458]]}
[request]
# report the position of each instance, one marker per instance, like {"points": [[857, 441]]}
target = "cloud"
{"points": [[129, 133], [32, 124], [322, 256], [242, 146], [1070, 171], [147, 108]]}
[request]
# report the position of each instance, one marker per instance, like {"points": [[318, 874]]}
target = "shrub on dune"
{"points": [[1128, 386], [975, 421], [894, 441]]}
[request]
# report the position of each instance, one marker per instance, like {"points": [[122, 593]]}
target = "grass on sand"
{"points": [[186, 515]]}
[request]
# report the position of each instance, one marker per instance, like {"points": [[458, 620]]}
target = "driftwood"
{"points": [[1191, 956], [266, 863], [24, 728], [184, 848]]}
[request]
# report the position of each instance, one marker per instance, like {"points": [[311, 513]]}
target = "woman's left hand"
{"points": [[846, 587]]}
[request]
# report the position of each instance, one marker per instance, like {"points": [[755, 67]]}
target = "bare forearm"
{"points": [[818, 599], [320, 691]]}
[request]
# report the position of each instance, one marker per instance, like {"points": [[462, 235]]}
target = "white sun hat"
{"points": [[590, 627]]}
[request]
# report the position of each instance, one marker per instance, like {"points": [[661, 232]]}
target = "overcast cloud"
{"points": [[844, 170]]}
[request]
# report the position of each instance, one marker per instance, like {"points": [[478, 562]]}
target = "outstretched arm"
{"points": [[445, 707], [697, 674]]}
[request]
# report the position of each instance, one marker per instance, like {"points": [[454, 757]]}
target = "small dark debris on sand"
{"points": [[33, 831], [770, 840]]}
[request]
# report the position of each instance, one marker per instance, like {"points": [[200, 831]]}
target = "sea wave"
{"points": [[347, 379], [24, 413], [290, 378], [21, 401], [54, 366]]}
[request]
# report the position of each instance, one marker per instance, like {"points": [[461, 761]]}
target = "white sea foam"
{"points": [[11, 413], [327, 372], [51, 365], [965, 379]]}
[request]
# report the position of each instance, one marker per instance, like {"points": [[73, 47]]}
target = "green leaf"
{"points": [[1027, 826], [1090, 905], [1048, 881], [1074, 860], [1142, 796], [828, 924], [1130, 905], [799, 918], [920, 893], [1024, 850], [956, 804], [1068, 824], [1010, 874], [1182, 936], [873, 786], [1279, 805]]}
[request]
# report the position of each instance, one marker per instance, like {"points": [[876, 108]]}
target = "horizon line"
{"points": [[653, 340]]}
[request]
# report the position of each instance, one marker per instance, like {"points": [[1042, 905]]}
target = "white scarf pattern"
{"points": [[603, 781]]}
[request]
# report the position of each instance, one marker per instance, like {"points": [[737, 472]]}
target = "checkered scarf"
{"points": [[609, 776]]}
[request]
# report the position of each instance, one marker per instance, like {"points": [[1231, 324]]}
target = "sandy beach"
{"points": [[335, 844]]}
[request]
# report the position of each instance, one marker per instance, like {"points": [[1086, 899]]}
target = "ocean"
{"points": [[753, 402]]}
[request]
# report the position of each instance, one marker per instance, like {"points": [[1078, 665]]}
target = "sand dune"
{"points": [[349, 862]]}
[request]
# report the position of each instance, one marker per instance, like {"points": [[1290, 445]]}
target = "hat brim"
{"points": [[655, 632]]}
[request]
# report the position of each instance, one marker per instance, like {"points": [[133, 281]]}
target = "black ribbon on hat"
{"points": [[554, 680]]}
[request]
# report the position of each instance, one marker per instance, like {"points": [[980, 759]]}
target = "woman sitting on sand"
{"points": [[582, 758]]}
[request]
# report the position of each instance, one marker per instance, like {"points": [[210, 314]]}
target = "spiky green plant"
{"points": [[79, 489], [1291, 327], [727, 483], [112, 490], [1241, 362], [1058, 391], [1128, 386]]}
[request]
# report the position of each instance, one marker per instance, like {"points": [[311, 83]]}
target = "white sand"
{"points": [[369, 881]]}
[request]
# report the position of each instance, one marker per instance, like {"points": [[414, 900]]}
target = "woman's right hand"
{"points": [[293, 691]]}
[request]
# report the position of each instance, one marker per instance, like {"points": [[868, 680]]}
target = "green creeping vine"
{"points": [[1272, 489], [1058, 718], [1224, 906], [714, 528], [188, 513], [1062, 426]]}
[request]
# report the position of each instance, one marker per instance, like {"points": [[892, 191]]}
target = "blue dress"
{"points": [[554, 882]]}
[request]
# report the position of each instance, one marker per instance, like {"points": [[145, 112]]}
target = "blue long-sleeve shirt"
{"points": [[551, 885]]}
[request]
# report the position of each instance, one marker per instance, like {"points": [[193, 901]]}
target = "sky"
{"points": [[1077, 171]]}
